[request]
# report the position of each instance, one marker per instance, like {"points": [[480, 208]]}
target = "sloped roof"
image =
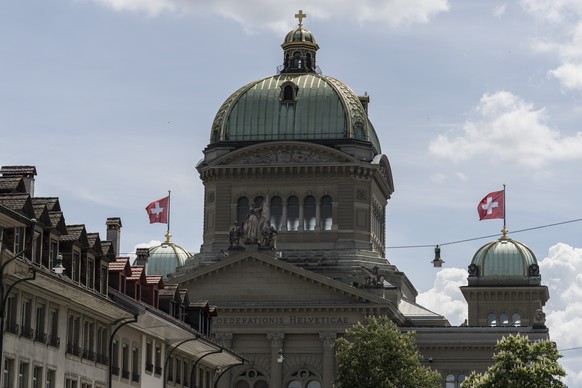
{"points": [[12, 185]]}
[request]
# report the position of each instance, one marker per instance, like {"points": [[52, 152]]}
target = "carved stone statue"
{"points": [[234, 236], [252, 223], [539, 321], [269, 235]]}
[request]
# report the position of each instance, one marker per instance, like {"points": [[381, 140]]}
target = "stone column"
{"points": [[301, 216], [327, 340], [318, 215], [284, 216], [225, 339], [276, 367]]}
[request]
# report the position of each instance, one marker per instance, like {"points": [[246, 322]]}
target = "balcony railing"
{"points": [[158, 370], [102, 359], [115, 370], [135, 377], [74, 350], [125, 374], [12, 327], [89, 355], [54, 341], [41, 337], [149, 367], [27, 332]]}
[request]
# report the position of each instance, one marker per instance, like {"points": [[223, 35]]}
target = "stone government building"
{"points": [[297, 150], [293, 254]]}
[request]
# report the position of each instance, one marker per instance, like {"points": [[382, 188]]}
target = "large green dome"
{"points": [[297, 104]]}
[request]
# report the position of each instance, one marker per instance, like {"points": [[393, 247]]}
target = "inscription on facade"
{"points": [[288, 320]]}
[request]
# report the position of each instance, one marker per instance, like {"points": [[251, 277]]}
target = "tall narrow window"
{"points": [[125, 361], [292, 213], [158, 366], [8, 373], [115, 358], [76, 266], [103, 280], [37, 377], [90, 274], [242, 209], [40, 332], [53, 252], [51, 378], [23, 375], [326, 216], [309, 213], [89, 340], [149, 366], [135, 364], [53, 330], [10, 311], [276, 212], [101, 348], [491, 320], [25, 318]]}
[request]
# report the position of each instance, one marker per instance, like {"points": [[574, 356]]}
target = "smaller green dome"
{"points": [[299, 35], [165, 258], [504, 259]]}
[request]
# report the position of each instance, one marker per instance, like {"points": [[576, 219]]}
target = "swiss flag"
{"points": [[158, 210], [492, 206]]}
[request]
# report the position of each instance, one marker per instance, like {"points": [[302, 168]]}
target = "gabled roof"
{"points": [[12, 185], [95, 242], [316, 290], [58, 221], [41, 214], [155, 280], [121, 264], [20, 203], [170, 290], [137, 274], [76, 233], [51, 202], [107, 249]]}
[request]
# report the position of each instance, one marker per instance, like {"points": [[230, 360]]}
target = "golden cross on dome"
{"points": [[300, 16]]}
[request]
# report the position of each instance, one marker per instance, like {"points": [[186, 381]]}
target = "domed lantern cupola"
{"points": [[299, 48]]}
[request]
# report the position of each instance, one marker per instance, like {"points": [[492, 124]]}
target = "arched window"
{"points": [[309, 213], [450, 381], [251, 379], [261, 384], [313, 384], [294, 384], [288, 93], [242, 209], [303, 379], [292, 213], [516, 319], [297, 62], [308, 62], [504, 319], [259, 201], [243, 384], [326, 217], [491, 320], [460, 379], [276, 212]]}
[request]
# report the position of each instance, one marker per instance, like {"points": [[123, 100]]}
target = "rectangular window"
{"points": [[149, 366], [10, 311], [135, 364], [37, 247], [158, 365], [39, 328], [23, 375], [90, 274], [125, 361], [170, 370], [185, 373], [178, 371], [53, 252], [53, 329], [25, 318], [37, 377], [102, 339], [76, 266], [115, 358], [85, 384], [51, 375], [70, 382], [18, 239], [89, 340], [104, 279], [74, 335], [8, 373]]}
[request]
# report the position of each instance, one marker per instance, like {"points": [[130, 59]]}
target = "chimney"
{"points": [[142, 257], [26, 172], [114, 233]]}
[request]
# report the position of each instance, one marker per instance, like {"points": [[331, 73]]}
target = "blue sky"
{"points": [[112, 101]]}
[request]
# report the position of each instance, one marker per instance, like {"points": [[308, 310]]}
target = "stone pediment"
{"points": [[284, 153], [255, 281]]}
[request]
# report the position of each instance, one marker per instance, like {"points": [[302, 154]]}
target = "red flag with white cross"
{"points": [[492, 206], [158, 210]]}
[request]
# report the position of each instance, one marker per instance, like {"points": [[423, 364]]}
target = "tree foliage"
{"points": [[377, 355], [520, 362]]}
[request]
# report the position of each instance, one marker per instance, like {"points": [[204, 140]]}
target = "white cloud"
{"points": [[564, 16], [506, 128], [445, 297], [275, 15], [499, 10]]}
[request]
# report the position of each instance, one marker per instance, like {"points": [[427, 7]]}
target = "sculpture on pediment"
{"points": [[374, 278], [269, 235], [253, 223], [234, 236]]}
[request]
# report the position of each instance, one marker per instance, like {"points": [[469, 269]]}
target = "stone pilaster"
{"points": [[327, 341], [276, 367]]}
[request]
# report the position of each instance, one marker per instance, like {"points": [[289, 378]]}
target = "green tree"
{"points": [[377, 355], [520, 362]]}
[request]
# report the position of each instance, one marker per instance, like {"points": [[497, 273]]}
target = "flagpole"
{"points": [[169, 212], [504, 231]]}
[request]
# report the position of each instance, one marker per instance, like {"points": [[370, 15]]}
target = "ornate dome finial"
{"points": [[300, 16]]}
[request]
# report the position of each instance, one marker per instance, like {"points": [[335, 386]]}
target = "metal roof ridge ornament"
{"points": [[300, 15]]}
